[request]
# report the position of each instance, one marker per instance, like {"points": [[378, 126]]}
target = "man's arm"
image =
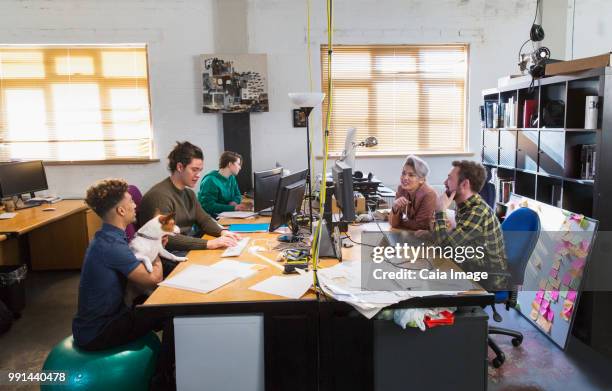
{"points": [[143, 278], [466, 230], [424, 214], [207, 223]]}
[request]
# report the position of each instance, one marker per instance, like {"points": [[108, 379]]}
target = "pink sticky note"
{"points": [[545, 304], [578, 263], [577, 217], [540, 294], [571, 295], [554, 295], [585, 244], [567, 279], [543, 310], [550, 315], [553, 273]]}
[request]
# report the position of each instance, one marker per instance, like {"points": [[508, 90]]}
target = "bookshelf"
{"points": [[538, 147]]}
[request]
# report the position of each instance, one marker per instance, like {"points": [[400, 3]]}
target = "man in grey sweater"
{"points": [[173, 194]]}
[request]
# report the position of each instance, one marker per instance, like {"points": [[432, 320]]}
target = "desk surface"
{"points": [[238, 290], [29, 219]]}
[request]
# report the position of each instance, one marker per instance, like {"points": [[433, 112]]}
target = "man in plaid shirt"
{"points": [[476, 226]]}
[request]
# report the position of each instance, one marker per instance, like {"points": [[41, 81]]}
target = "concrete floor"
{"points": [[538, 364], [51, 299]]}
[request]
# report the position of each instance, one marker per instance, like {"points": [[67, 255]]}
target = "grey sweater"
{"points": [[167, 198]]}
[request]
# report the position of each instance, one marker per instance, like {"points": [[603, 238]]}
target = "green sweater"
{"points": [[167, 198], [217, 191]]}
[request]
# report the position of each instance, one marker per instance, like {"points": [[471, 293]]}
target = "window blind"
{"points": [[412, 98], [74, 103]]}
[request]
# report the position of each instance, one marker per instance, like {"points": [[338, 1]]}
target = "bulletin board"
{"points": [[553, 276]]}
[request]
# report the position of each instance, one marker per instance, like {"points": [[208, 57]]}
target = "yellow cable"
{"points": [[323, 192]]}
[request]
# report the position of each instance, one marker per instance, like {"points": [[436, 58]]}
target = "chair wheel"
{"points": [[517, 341], [498, 361], [497, 317]]}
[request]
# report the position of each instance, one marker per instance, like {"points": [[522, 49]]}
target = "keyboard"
{"points": [[237, 249]]}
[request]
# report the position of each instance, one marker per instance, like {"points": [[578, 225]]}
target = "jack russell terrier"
{"points": [[147, 244]]}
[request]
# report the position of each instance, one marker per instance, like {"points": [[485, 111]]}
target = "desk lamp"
{"points": [[307, 101]]}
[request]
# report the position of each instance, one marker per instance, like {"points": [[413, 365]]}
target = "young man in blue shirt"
{"points": [[103, 320]]}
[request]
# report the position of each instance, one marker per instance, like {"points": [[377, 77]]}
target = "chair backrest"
{"points": [[488, 190], [521, 230], [131, 229]]}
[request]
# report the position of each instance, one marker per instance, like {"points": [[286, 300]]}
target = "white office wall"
{"points": [[178, 31], [494, 30], [592, 27]]}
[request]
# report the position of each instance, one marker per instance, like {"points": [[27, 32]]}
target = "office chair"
{"points": [[488, 190], [519, 246], [131, 229]]}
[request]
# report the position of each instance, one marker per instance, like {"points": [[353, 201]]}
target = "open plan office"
{"points": [[305, 195]]}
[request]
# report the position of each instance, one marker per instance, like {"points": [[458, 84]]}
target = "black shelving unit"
{"points": [[541, 152]]}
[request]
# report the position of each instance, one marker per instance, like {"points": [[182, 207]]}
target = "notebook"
{"points": [[246, 228]]}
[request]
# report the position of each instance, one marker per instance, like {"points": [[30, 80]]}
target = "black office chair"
{"points": [[519, 246], [488, 190]]}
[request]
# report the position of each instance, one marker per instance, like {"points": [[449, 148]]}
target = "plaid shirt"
{"points": [[477, 225]]}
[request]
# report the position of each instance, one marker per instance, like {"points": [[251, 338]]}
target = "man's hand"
{"points": [[400, 204], [221, 242], [233, 235], [233, 203], [444, 201]]}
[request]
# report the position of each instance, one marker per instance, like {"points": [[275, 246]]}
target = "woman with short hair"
{"points": [[415, 200], [219, 190]]}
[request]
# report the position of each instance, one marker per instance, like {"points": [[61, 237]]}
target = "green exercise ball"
{"points": [[127, 367]]}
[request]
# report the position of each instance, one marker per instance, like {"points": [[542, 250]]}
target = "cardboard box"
{"points": [[581, 64]]}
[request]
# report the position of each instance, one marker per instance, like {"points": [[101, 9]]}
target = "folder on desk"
{"points": [[248, 228]]}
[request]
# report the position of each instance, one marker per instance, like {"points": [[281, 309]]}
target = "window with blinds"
{"points": [[74, 103], [411, 97]]}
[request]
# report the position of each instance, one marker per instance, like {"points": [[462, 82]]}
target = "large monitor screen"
{"points": [[22, 177]]}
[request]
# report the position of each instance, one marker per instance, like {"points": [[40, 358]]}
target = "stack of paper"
{"points": [[240, 269], [237, 214], [343, 283], [200, 278], [292, 287], [203, 279]]}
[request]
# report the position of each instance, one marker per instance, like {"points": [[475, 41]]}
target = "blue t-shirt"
{"points": [[108, 262]]}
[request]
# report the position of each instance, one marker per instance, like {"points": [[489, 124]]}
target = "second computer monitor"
{"points": [[265, 187], [343, 190], [286, 198]]}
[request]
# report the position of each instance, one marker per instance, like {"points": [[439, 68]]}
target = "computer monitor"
{"points": [[343, 190], [18, 178], [265, 184], [286, 200], [349, 147]]}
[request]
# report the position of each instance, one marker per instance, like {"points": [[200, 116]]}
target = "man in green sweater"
{"points": [[219, 190], [173, 194]]}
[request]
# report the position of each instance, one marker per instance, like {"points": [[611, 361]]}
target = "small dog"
{"points": [[147, 244]]}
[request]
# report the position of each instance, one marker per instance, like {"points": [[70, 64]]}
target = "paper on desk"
{"points": [[200, 278], [240, 269], [237, 214], [292, 287], [343, 283]]}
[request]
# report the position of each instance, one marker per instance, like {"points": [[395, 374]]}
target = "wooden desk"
{"points": [[49, 239], [309, 344]]}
